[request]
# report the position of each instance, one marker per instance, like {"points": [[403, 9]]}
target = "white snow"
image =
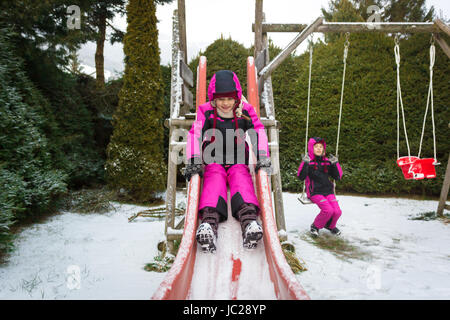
{"points": [[212, 272], [101, 256], [407, 259]]}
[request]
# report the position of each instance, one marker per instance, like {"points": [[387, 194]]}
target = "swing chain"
{"points": [[400, 100], [309, 91], [346, 45], [430, 103]]}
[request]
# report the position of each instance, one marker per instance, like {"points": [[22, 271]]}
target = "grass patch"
{"points": [[160, 264], [164, 260], [431, 215], [156, 213], [340, 247], [97, 200], [297, 265]]}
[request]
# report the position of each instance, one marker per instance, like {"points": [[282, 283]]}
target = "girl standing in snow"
{"points": [[316, 169], [216, 149]]}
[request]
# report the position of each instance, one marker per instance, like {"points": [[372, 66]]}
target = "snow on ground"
{"points": [[101, 256], [401, 258], [84, 256]]}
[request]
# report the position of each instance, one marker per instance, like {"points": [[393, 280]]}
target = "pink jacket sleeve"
{"points": [[263, 145], [194, 139]]}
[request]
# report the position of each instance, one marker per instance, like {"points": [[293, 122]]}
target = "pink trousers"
{"points": [[329, 209], [214, 192]]}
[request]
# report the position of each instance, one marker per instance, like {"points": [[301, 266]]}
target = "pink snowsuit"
{"points": [[209, 131], [319, 188]]}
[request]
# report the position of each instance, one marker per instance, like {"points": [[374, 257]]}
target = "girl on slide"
{"points": [[316, 170], [217, 151]]}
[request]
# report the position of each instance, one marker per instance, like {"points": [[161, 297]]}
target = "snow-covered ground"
{"points": [[385, 254]]}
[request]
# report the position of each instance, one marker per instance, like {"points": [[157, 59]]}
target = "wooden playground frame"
{"points": [[182, 107]]}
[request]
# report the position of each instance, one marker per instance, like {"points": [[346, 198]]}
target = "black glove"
{"points": [[264, 163], [333, 159], [192, 169]]}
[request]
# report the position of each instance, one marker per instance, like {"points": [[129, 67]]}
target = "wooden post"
{"points": [[276, 183], [171, 190], [175, 102], [444, 191], [182, 28], [291, 47], [441, 25], [355, 27], [444, 46], [269, 103], [258, 26]]}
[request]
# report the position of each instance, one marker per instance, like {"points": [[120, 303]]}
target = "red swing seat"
{"points": [[416, 168]]}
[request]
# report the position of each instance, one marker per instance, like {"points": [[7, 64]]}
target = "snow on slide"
{"points": [[232, 272]]}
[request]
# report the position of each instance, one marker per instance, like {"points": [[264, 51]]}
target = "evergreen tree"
{"points": [[407, 11], [100, 15], [225, 54], [135, 152], [340, 11], [29, 180], [43, 24]]}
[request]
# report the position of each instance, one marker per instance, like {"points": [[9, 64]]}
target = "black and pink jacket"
{"points": [[318, 172], [208, 123]]}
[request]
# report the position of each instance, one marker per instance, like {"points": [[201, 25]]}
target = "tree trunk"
{"points": [[99, 58]]}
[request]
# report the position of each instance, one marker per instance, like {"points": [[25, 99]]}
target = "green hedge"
{"points": [[368, 138]]}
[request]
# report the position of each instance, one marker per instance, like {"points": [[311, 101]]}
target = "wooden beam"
{"points": [[186, 73], [276, 182], [182, 28], [444, 191], [355, 27], [188, 99], [175, 88], [442, 26], [258, 26], [171, 190], [260, 61], [264, 73], [444, 46]]}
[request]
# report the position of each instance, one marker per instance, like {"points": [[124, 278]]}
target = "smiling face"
{"points": [[225, 105], [318, 149]]}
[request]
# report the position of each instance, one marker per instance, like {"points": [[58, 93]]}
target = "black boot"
{"points": [[251, 230], [207, 231], [327, 226], [334, 231], [314, 231]]}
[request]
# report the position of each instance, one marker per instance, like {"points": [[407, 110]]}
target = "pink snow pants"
{"points": [[329, 209], [214, 192]]}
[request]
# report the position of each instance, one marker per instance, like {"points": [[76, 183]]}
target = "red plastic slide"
{"points": [[191, 273]]}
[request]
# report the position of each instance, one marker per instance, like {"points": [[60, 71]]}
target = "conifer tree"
{"points": [[135, 152], [225, 54]]}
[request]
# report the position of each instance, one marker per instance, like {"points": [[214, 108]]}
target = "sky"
{"points": [[207, 20]]}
